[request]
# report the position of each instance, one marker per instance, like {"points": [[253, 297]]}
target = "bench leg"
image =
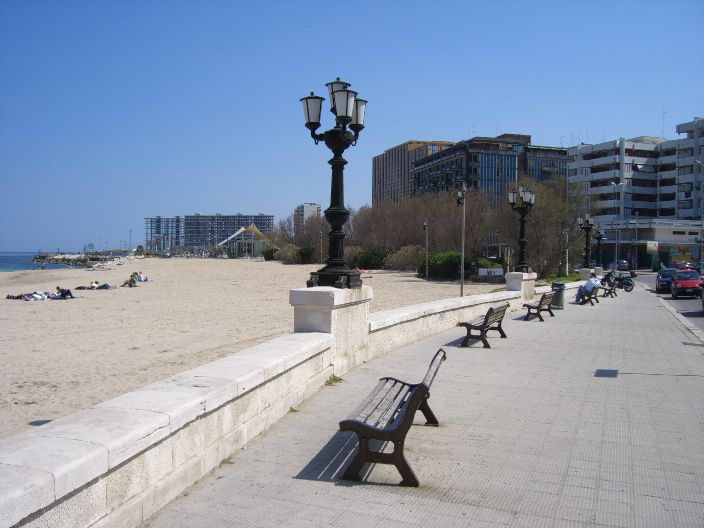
{"points": [[550, 311], [360, 457], [540, 316], [466, 338], [484, 340], [427, 412], [501, 330], [409, 478]]}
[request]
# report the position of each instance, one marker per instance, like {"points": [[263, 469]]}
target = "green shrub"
{"points": [[306, 254], [408, 258], [369, 259], [268, 253], [443, 265]]}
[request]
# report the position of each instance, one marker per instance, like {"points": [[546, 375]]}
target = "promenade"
{"points": [[593, 418]]}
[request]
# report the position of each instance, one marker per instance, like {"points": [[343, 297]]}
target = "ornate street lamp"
{"points": [[586, 224], [598, 236], [349, 113], [522, 201], [461, 195]]}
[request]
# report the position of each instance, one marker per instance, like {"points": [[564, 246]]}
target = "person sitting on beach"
{"points": [[141, 277], [64, 293], [131, 282]]}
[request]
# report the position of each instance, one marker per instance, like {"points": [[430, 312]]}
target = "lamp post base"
{"points": [[522, 268], [338, 278]]}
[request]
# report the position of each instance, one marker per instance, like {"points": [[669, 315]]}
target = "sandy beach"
{"points": [[62, 356]]}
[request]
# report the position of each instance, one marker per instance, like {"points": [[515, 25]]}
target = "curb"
{"points": [[682, 319]]}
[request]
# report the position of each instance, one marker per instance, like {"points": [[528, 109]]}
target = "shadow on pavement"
{"points": [[697, 314], [329, 463]]}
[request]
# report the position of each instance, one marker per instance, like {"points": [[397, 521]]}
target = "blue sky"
{"points": [[112, 111]]}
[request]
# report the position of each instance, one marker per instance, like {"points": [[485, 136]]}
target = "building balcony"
{"points": [[664, 160], [605, 174], [668, 189], [687, 178], [684, 162], [668, 174], [644, 190], [635, 204], [669, 204], [605, 204]]}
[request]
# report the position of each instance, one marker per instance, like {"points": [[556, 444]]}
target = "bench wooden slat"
{"points": [[382, 415], [364, 409]]}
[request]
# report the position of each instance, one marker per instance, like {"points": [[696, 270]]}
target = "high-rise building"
{"points": [[198, 232], [303, 212], [489, 164], [645, 189], [391, 171], [163, 234]]}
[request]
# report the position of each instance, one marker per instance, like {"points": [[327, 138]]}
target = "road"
{"points": [[689, 307]]}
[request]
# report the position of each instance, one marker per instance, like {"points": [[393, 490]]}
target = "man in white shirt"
{"points": [[587, 288]]}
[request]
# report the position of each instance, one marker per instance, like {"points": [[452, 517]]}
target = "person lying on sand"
{"points": [[34, 296], [63, 293], [95, 285]]}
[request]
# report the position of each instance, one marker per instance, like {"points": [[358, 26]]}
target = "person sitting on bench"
{"points": [[587, 288]]}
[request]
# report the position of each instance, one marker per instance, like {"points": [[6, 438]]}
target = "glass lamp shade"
{"points": [[580, 221], [343, 102], [312, 105], [336, 85], [530, 197], [360, 106], [512, 198]]}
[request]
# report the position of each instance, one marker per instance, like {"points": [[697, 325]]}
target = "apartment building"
{"points": [[193, 233], [646, 189], [490, 164], [391, 171]]}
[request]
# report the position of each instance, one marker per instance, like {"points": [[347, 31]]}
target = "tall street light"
{"points": [[598, 236], [586, 224], [461, 194], [522, 201], [349, 112], [425, 228]]}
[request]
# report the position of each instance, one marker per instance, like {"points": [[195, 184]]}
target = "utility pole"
{"points": [[425, 228], [461, 201]]}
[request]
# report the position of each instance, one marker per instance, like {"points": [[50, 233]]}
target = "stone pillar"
{"points": [[522, 282], [342, 312], [585, 273]]}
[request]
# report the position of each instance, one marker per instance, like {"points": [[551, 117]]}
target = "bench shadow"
{"points": [[330, 463], [455, 343], [37, 423], [693, 344]]}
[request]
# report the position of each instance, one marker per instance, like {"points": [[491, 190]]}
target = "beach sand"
{"points": [[59, 357]]}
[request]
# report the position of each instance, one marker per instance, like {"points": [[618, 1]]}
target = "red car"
{"points": [[686, 282]]}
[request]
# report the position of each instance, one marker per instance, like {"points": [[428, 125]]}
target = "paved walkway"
{"points": [[592, 418]]}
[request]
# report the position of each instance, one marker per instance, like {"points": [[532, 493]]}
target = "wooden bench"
{"points": [[543, 305], [491, 321], [590, 297], [386, 415], [609, 289]]}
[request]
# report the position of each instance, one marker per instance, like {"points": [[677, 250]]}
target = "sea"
{"points": [[18, 261]]}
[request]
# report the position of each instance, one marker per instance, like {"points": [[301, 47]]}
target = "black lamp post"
{"points": [[586, 224], [521, 201], [598, 236], [349, 112]]}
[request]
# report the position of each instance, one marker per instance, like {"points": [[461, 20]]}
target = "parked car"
{"points": [[620, 265], [664, 279], [685, 282]]}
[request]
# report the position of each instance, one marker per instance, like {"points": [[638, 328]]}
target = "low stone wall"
{"points": [[394, 328], [119, 462]]}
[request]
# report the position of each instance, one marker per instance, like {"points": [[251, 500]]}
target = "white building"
{"points": [[645, 189], [303, 212]]}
